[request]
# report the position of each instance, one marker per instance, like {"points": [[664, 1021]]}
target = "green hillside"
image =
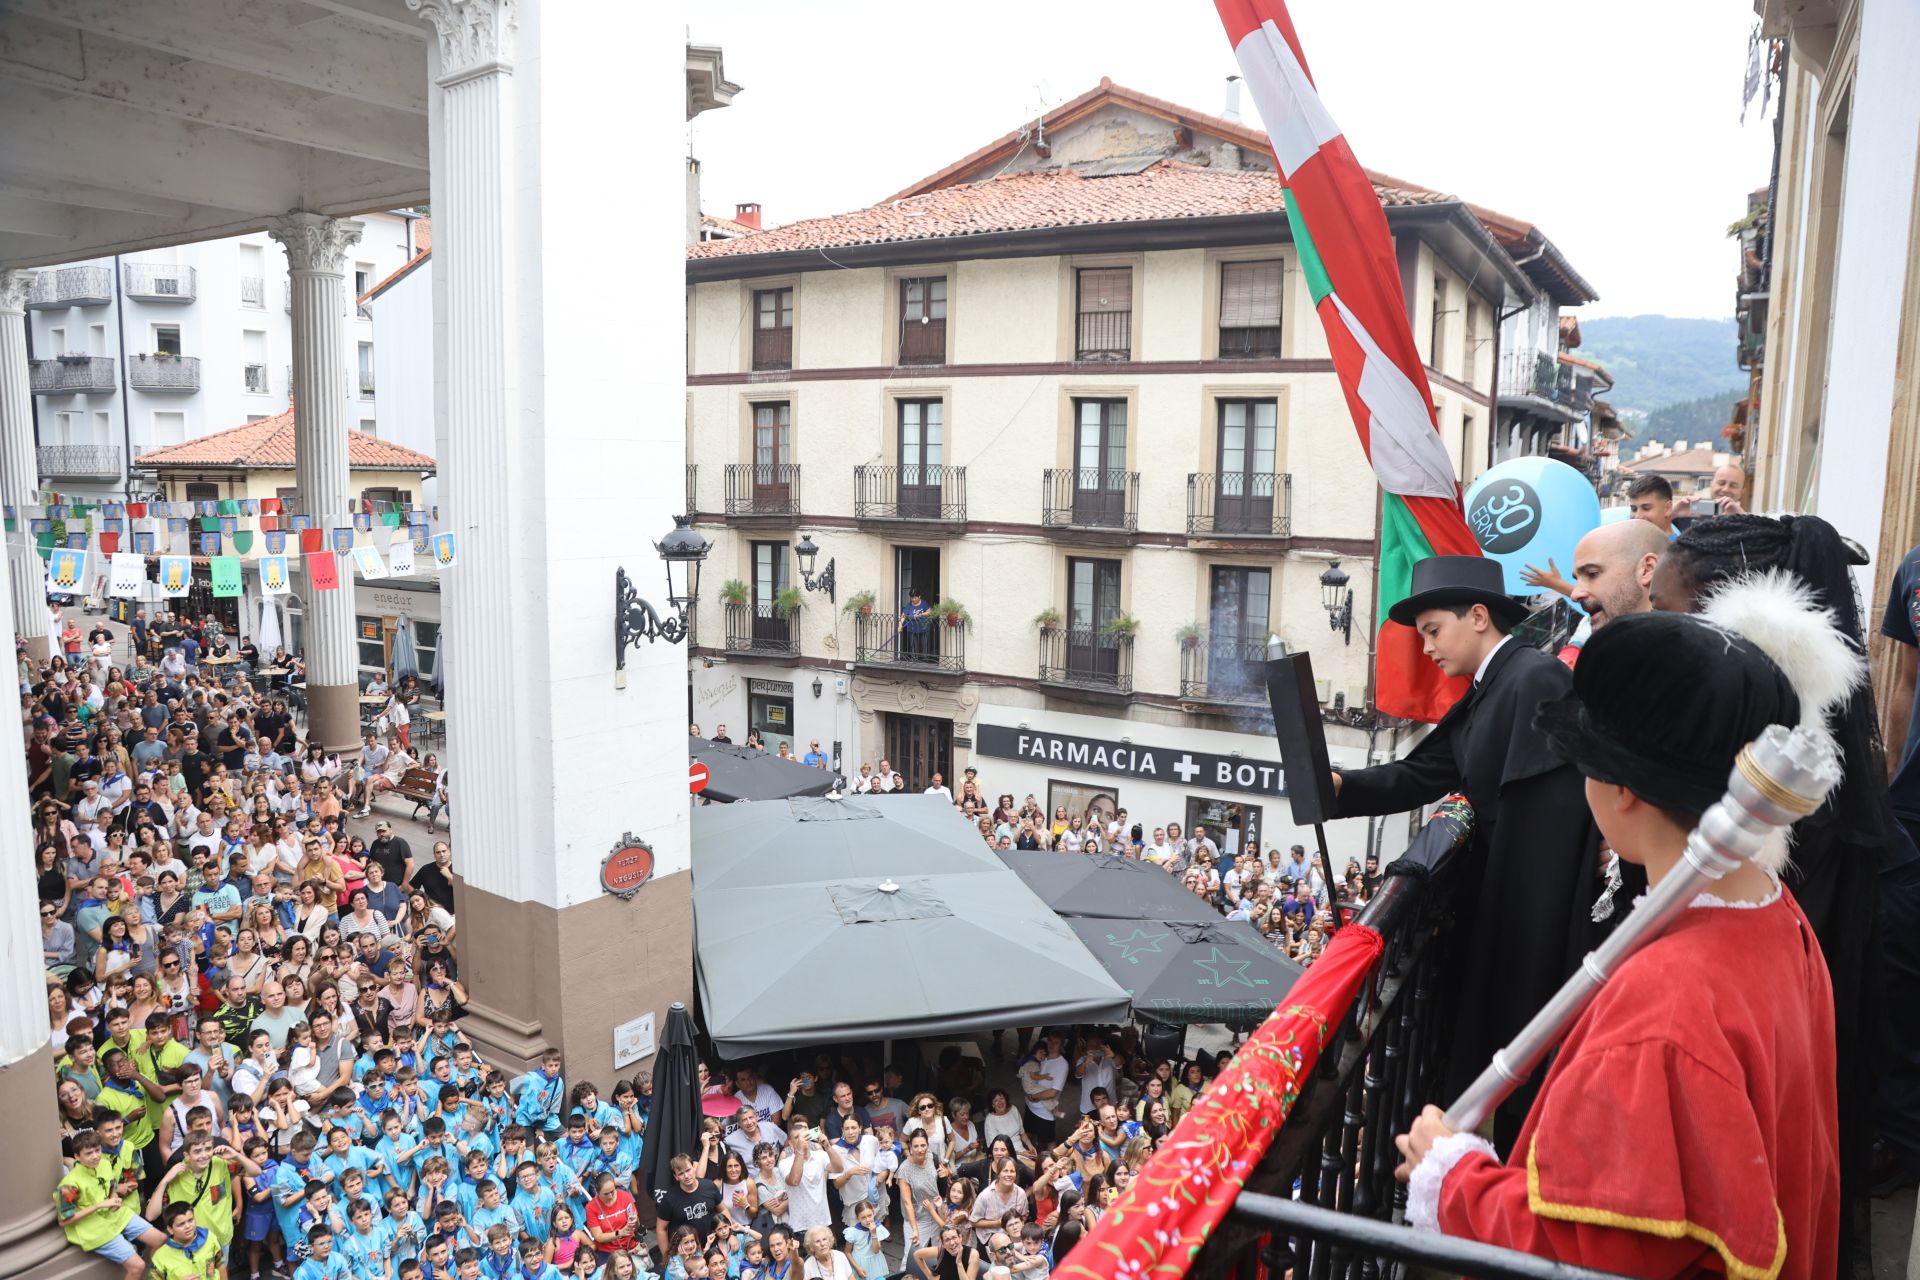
{"points": [[1661, 361], [1691, 420]]}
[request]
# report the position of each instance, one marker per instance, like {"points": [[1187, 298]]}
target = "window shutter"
{"points": [[1250, 295], [1105, 289]]}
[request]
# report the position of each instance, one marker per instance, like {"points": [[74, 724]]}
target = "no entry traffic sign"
{"points": [[696, 777]]}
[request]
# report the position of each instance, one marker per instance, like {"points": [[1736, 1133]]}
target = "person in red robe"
{"points": [[1688, 1122]]}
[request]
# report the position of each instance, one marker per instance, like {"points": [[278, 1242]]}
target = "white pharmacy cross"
{"points": [[1186, 768]]}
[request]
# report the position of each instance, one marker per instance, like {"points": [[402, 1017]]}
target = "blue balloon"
{"points": [[1527, 511], [1614, 515]]}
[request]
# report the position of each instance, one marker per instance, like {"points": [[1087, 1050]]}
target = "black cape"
{"points": [[1525, 894]]}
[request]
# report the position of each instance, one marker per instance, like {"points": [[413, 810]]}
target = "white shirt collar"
{"points": [[1489, 658]]}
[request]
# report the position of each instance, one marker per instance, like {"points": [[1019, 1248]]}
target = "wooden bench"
{"points": [[416, 784]]}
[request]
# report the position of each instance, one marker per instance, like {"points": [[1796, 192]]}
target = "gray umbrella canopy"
{"points": [[742, 773], [1106, 886], [406, 654], [820, 920], [1181, 972]]}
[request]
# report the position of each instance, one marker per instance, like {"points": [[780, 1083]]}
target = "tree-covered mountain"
{"points": [[1658, 361], [1695, 421]]}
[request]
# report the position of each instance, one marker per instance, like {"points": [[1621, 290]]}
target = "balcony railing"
{"points": [[762, 629], [1235, 504], [255, 376], [253, 291], [1090, 498], [72, 375], [1250, 343], [363, 310], [79, 461], [910, 493], [1225, 669], [72, 287], [909, 645], [763, 489], [158, 282], [1105, 335], [1542, 376], [163, 373], [773, 348], [366, 384], [1095, 660], [693, 487]]}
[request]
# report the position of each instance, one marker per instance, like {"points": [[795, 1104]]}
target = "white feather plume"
{"points": [[1776, 611]]}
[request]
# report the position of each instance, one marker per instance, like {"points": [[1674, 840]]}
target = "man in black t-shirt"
{"points": [[691, 1200], [436, 879], [392, 853]]}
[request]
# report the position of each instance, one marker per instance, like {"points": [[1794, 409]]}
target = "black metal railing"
{"points": [[71, 375], [1098, 660], [693, 487], [909, 644], [763, 489], [71, 287], [773, 348], [1104, 335], [912, 492], [1224, 669], [163, 373], [73, 460], [762, 629], [1090, 498], [159, 281], [1237, 504], [1253, 342]]}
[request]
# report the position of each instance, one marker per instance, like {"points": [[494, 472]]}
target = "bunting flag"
{"points": [[76, 539], [445, 550], [343, 538], [368, 561], [273, 575], [363, 520], [400, 556], [323, 571], [143, 542], [210, 544], [128, 573], [300, 524], [1347, 257], [276, 540], [109, 543], [176, 573], [311, 539], [242, 541], [226, 575], [66, 569]]}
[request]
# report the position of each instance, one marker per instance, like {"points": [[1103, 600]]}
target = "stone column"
{"points": [[552, 761], [316, 259], [20, 464]]}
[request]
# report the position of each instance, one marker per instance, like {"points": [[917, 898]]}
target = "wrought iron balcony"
{"points": [[763, 490], [255, 379], [72, 375], [693, 487], [1095, 660], [762, 629], [80, 461], [253, 291], [158, 281], [1236, 505], [1104, 336], [910, 493], [910, 646], [1228, 669], [1090, 498], [72, 287], [163, 373]]}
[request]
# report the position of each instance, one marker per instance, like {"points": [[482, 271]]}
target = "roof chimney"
{"points": [[747, 215], [1232, 111]]}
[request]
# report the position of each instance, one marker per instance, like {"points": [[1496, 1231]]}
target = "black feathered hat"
{"points": [[1443, 581]]}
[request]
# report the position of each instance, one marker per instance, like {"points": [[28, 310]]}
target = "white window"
{"points": [[169, 427], [102, 427], [166, 339], [366, 370], [57, 340], [97, 340], [254, 345], [369, 427], [253, 275]]}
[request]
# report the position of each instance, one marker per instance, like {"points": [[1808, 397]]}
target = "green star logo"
{"points": [[1226, 970], [1137, 943]]}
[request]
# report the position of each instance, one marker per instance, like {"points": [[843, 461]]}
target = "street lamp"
{"points": [[635, 619], [1338, 598], [805, 554]]}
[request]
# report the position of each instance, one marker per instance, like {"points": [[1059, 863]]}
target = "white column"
{"points": [[316, 258], [20, 463]]}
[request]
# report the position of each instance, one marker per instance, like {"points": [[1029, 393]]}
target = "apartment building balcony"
{"points": [[910, 494], [79, 461], [71, 287], [1092, 661], [1237, 505], [253, 291], [1535, 382], [254, 378], [72, 375], [763, 491], [1093, 504], [366, 384], [163, 373], [918, 648], [762, 630], [158, 282], [1225, 669]]}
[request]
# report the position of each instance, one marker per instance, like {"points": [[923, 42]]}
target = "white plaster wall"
{"points": [[403, 363]]}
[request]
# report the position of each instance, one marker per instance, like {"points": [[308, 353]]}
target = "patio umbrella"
{"points": [[1105, 886], [268, 638], [1180, 972], [437, 680], [742, 773], [673, 1117], [406, 656]]}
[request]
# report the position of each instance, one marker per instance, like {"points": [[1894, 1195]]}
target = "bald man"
{"points": [[1726, 487], [1611, 569]]}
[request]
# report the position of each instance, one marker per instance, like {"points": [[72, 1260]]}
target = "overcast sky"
{"points": [[1613, 127]]}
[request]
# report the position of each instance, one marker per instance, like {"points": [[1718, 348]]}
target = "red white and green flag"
{"points": [[1346, 253]]}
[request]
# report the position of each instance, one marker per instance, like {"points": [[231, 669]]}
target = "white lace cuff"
{"points": [[1423, 1189]]}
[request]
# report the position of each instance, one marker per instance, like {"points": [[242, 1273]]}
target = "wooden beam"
{"points": [[63, 60]]}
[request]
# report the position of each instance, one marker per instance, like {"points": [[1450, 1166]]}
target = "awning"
{"points": [[822, 921], [1106, 886], [743, 773], [1181, 972]]}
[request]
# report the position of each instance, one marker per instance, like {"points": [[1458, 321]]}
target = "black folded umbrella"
{"points": [[742, 773], [673, 1116]]}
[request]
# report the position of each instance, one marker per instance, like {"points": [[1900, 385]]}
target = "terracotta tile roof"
{"points": [[396, 277], [422, 235], [267, 445], [1695, 461], [1038, 199]]}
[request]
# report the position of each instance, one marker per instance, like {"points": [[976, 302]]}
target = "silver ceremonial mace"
{"points": [[1781, 777]]}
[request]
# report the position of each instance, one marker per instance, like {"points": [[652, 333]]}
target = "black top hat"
{"points": [[1439, 581], [1662, 703]]}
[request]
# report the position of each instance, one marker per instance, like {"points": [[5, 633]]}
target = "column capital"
{"points": [[316, 242], [476, 36], [15, 284]]}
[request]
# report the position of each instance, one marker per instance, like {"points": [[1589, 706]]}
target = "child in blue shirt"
{"points": [[321, 1263], [407, 1230], [532, 1202]]}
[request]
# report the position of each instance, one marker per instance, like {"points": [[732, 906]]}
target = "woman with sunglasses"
{"points": [[925, 1115]]}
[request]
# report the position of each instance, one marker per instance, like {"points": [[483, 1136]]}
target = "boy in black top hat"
{"points": [[1525, 898]]}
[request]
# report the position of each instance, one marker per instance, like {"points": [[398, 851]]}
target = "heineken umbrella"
{"points": [[743, 773], [1180, 972], [1106, 886], [673, 1114]]}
